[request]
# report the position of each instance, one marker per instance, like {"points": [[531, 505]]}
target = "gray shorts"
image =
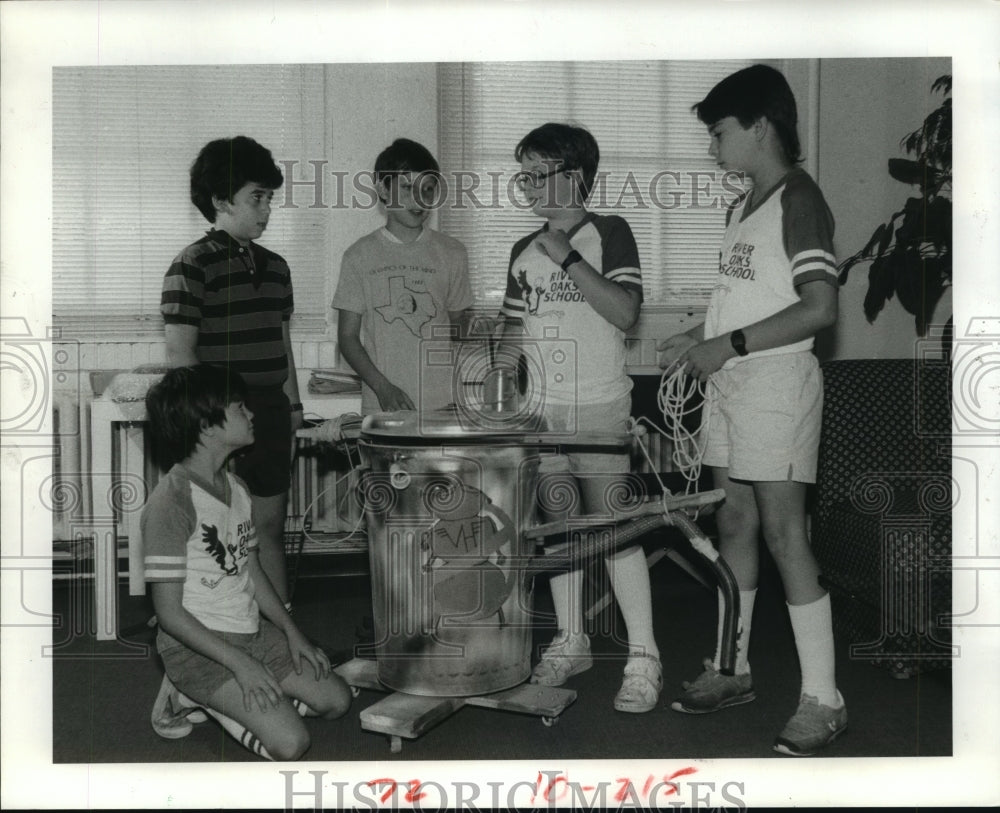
{"points": [[199, 677]]}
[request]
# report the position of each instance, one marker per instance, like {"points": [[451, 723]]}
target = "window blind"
{"points": [[654, 170], [124, 139]]}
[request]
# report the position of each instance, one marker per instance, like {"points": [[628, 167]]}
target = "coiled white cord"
{"points": [[675, 400]]}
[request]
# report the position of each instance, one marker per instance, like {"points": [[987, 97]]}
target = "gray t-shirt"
{"points": [[404, 292]]}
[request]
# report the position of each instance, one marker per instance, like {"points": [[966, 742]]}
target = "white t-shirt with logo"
{"points": [[192, 534], [783, 241], [573, 352]]}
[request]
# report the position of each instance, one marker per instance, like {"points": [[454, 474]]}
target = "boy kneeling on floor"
{"points": [[228, 645]]}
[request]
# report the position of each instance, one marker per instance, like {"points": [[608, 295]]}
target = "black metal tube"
{"points": [[727, 583], [603, 540]]}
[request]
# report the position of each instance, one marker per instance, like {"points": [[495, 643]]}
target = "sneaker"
{"points": [[194, 712], [173, 713], [713, 691], [813, 726], [566, 656], [640, 691]]}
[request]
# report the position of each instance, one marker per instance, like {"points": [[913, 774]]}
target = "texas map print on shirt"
{"points": [[410, 303]]}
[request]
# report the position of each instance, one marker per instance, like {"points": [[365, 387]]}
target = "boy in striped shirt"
{"points": [[228, 301]]}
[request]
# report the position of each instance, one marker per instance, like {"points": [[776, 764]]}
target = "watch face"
{"points": [[739, 342]]}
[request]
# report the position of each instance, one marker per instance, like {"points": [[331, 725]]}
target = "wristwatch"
{"points": [[572, 257], [739, 342]]}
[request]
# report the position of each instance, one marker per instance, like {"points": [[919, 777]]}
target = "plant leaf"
{"points": [[877, 238], [931, 289], [906, 278], [880, 285], [937, 223], [907, 171], [942, 83], [911, 226]]}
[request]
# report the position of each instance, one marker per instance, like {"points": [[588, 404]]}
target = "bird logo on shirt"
{"points": [[409, 303], [224, 554]]}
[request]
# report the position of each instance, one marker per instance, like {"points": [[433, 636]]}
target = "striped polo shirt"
{"points": [[238, 297]]}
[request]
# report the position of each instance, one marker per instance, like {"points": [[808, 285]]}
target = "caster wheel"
{"points": [[355, 691], [395, 745], [548, 722]]}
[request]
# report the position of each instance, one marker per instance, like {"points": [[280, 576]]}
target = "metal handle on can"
{"points": [[500, 390], [399, 477]]}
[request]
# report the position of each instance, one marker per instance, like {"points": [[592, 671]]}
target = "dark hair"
{"points": [[186, 401], [759, 90], [225, 166], [404, 155], [574, 146]]}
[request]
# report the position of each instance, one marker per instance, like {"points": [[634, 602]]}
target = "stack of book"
{"points": [[327, 382]]}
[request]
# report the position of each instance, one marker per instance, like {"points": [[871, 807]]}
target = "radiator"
{"points": [[71, 498]]}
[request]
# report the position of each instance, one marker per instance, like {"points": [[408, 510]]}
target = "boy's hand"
{"points": [[672, 349], [391, 398], [555, 244], [301, 649], [258, 684], [704, 358]]}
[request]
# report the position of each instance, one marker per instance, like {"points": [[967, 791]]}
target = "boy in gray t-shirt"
{"points": [[399, 285]]}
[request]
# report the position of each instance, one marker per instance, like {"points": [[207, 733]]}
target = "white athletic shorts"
{"points": [[764, 418]]}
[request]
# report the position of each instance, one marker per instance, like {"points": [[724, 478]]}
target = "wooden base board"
{"points": [[409, 715]]}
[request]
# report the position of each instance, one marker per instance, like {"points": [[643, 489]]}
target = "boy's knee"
{"points": [[289, 743], [733, 522], [784, 540], [338, 701]]}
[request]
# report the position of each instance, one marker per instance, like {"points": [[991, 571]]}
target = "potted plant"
{"points": [[910, 255]]}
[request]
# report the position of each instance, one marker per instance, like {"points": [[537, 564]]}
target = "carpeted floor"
{"points": [[103, 691]]}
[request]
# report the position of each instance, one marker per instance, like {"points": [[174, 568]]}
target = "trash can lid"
{"points": [[456, 425]]}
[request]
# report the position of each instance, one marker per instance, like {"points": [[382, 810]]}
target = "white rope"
{"points": [[675, 400]]}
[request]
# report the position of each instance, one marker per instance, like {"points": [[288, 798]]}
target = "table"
{"points": [[106, 476]]}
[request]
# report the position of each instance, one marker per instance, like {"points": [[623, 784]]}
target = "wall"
{"points": [[866, 107]]}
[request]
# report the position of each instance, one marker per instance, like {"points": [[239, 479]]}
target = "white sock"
{"points": [[747, 598], [241, 734], [567, 599], [302, 708], [813, 627], [629, 576]]}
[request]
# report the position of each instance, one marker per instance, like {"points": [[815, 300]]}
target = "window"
{"points": [[655, 170], [124, 138]]}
